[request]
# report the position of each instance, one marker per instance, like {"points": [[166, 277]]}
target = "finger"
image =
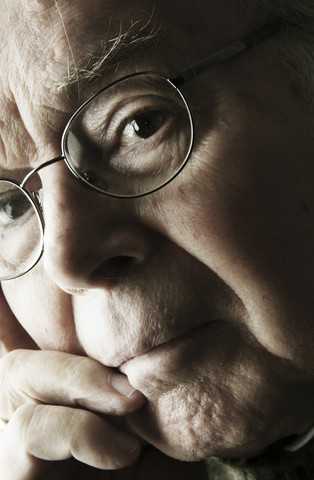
{"points": [[12, 334], [54, 433], [63, 379]]}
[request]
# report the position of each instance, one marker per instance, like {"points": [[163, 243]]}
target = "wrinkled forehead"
{"points": [[56, 38], [53, 40]]}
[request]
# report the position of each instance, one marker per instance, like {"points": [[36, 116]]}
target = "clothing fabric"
{"points": [[275, 465]]}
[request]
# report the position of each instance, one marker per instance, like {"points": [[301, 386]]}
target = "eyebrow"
{"points": [[136, 39]]}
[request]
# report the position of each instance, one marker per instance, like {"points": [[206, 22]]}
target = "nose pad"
{"points": [[90, 240]]}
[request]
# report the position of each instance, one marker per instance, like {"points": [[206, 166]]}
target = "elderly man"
{"points": [[156, 239]]}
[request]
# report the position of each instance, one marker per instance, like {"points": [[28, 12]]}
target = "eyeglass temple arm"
{"points": [[227, 52]]}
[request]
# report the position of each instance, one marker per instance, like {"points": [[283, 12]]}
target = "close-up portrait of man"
{"points": [[157, 240]]}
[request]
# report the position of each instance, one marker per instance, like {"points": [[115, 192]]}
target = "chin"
{"points": [[203, 406], [190, 420], [188, 424]]}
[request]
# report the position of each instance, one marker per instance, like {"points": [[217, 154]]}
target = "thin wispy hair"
{"points": [[140, 34]]}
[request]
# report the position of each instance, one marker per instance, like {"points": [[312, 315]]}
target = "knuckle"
{"points": [[82, 421], [38, 428], [26, 441], [93, 442], [21, 418], [87, 367], [86, 376], [19, 426]]}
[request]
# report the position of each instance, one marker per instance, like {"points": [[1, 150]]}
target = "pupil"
{"points": [[16, 207], [146, 124]]}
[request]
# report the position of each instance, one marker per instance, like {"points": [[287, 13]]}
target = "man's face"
{"points": [[200, 293]]}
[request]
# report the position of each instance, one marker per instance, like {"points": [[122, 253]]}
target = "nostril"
{"points": [[114, 268]]}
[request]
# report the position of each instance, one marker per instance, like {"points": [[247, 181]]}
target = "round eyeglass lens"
{"points": [[21, 232], [131, 138]]}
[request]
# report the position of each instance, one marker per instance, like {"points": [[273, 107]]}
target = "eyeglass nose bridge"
{"points": [[40, 167]]}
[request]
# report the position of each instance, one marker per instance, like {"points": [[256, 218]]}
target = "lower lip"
{"points": [[169, 350]]}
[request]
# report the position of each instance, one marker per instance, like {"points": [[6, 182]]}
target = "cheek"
{"points": [[246, 213], [43, 310]]}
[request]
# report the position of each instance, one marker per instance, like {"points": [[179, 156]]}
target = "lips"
{"points": [[165, 346], [140, 351], [150, 349]]}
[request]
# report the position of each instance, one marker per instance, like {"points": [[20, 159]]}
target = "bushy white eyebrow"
{"points": [[136, 38]]}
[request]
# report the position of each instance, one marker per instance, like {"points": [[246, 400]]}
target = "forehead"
{"points": [[56, 38], [52, 51]]}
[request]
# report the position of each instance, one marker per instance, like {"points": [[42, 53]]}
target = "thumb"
{"points": [[12, 334]]}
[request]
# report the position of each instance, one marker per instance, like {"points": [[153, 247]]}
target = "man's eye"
{"points": [[142, 126], [13, 207]]}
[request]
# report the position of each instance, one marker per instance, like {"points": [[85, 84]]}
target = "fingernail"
{"points": [[121, 384]]}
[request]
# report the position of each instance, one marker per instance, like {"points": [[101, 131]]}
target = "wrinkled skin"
{"points": [[220, 267]]}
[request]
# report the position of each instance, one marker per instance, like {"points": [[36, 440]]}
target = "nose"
{"points": [[91, 240]]}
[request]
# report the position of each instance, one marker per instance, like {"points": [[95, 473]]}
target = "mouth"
{"points": [[165, 347]]}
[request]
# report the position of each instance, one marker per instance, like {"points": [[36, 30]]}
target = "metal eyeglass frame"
{"points": [[177, 81]]}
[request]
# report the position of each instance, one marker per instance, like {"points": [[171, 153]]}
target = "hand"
{"points": [[57, 407]]}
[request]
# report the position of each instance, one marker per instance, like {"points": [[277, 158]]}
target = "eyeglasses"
{"points": [[129, 140]]}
